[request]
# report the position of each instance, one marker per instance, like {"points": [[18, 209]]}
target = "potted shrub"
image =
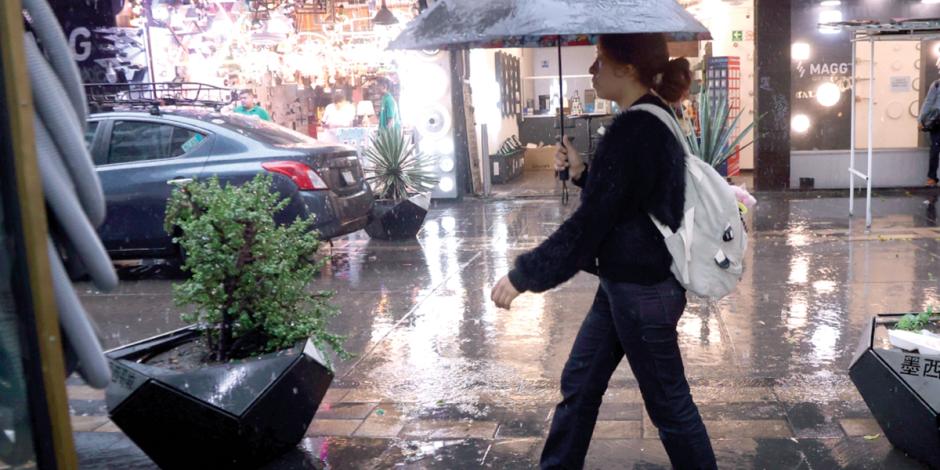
{"points": [[241, 385], [402, 178], [897, 372], [711, 136]]}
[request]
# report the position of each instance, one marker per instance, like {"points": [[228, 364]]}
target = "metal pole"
{"points": [[561, 93], [563, 174], [487, 169], [148, 18], [852, 138], [871, 120]]}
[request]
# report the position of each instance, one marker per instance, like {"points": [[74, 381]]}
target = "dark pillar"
{"points": [[772, 69]]}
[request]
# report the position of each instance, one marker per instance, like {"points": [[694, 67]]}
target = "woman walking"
{"points": [[639, 169]]}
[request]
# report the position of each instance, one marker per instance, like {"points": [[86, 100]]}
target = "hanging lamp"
{"points": [[384, 17]]}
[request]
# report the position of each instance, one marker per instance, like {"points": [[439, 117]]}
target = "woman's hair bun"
{"points": [[676, 80]]}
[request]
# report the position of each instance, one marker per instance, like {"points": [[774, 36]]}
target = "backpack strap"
{"points": [[669, 120], [688, 222]]}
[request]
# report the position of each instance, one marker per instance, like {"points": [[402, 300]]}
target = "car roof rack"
{"points": [[153, 95]]}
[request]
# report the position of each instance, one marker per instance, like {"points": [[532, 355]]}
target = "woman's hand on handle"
{"points": [[504, 293], [568, 157]]}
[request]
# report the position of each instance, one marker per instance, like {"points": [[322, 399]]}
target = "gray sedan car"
{"points": [[141, 155]]}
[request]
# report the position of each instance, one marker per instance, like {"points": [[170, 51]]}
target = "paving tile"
{"points": [[335, 395], [731, 394], [733, 429], [742, 411], [620, 411], [855, 427], [345, 410], [87, 423], [88, 407], [386, 420], [623, 395], [442, 429], [754, 429], [522, 423], [378, 428], [813, 420], [520, 454], [333, 427], [618, 430], [626, 453], [109, 427], [84, 392], [359, 395]]}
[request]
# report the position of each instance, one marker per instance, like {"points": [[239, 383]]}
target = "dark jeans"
{"points": [[934, 154], [639, 322]]}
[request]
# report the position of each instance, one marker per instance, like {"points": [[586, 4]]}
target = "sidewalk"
{"points": [[443, 379]]}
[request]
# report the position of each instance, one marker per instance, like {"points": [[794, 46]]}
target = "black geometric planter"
{"points": [[236, 415], [902, 390], [400, 221], [508, 167]]}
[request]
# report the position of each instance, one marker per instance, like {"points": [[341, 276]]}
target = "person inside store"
{"points": [[929, 121], [248, 107], [637, 170], [339, 113], [388, 112]]}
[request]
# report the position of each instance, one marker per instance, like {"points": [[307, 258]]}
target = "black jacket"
{"points": [[638, 169]]}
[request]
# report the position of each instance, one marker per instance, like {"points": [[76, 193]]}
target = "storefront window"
{"points": [[822, 78], [16, 440]]}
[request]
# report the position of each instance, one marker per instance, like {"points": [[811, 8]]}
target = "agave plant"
{"points": [[398, 169], [714, 144]]}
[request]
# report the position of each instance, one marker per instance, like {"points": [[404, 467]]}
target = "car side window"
{"points": [[134, 141], [90, 134]]}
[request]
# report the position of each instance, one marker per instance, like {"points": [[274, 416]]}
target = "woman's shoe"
{"points": [[931, 183]]}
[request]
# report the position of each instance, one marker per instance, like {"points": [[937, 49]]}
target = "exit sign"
{"points": [[737, 35]]}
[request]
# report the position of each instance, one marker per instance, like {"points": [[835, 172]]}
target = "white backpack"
{"points": [[708, 249]]}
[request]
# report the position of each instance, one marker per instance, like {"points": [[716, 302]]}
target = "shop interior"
{"points": [[527, 171], [298, 59], [301, 58]]}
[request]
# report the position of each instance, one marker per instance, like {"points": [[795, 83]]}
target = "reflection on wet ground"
{"points": [[443, 379]]}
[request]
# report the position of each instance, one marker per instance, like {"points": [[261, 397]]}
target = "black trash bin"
{"points": [[902, 390]]}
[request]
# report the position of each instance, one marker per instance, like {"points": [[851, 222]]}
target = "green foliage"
{"points": [[915, 322], [714, 144], [400, 170], [249, 276]]}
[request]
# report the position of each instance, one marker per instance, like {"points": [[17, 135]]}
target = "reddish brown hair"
{"points": [[649, 55]]}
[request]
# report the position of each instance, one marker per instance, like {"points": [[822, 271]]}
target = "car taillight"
{"points": [[302, 175]]}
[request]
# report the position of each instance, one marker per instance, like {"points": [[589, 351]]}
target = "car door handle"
{"points": [[179, 181]]}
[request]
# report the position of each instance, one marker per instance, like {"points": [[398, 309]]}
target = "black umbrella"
{"points": [[463, 24]]}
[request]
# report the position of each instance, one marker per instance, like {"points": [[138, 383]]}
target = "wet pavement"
{"points": [[444, 379]]}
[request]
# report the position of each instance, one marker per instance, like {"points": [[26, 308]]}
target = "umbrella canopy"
{"points": [[472, 24], [463, 24]]}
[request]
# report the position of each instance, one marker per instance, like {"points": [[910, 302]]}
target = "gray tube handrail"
{"points": [[70, 184]]}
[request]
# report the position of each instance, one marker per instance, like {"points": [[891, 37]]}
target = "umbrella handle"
{"points": [[563, 175]]}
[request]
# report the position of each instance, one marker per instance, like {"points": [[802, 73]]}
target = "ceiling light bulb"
{"points": [[800, 123], [800, 51], [447, 184], [828, 94]]}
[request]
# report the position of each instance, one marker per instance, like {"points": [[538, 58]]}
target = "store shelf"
{"points": [[555, 77]]}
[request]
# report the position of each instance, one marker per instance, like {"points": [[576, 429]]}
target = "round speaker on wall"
{"points": [[895, 110], [914, 109], [434, 121], [915, 84], [429, 53], [917, 64]]}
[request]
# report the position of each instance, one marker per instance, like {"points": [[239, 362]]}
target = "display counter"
{"points": [[543, 129]]}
